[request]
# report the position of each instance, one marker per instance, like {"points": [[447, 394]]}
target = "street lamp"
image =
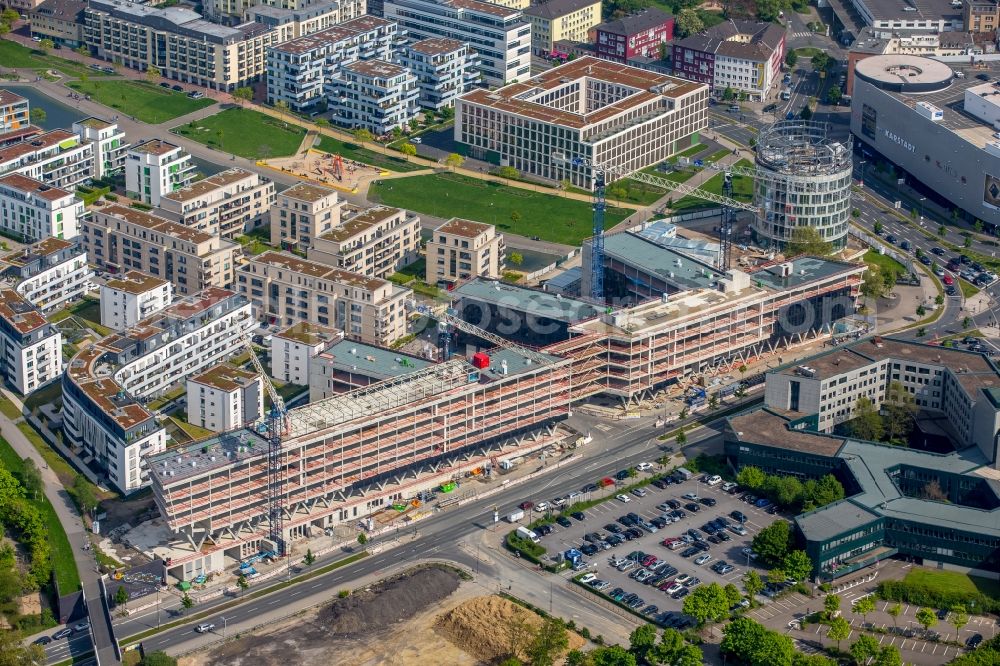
{"points": [[862, 165], [225, 625], [922, 200]]}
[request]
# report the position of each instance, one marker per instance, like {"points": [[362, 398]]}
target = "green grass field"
{"points": [[968, 289], [548, 216], [88, 309], [742, 190], [352, 151], [883, 261], [246, 133], [14, 55], [63, 564], [952, 582], [147, 102]]}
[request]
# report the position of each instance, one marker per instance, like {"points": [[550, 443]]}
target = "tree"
{"points": [[927, 618], [773, 542], [362, 136], [281, 106], [888, 656], [409, 150], [38, 116], [921, 310], [753, 584], [874, 284], [83, 492], [831, 604], [894, 612], [807, 240], [821, 61], [768, 10], [187, 602], [121, 596], [244, 95], [153, 73], [791, 58], [733, 594], [708, 603], [958, 617], [834, 94], [806, 113], [900, 408], [516, 258], [158, 658], [243, 583], [863, 607], [550, 640], [688, 655], [642, 641], [864, 649], [942, 231], [688, 22], [82, 50], [728, 94], [750, 642], [839, 630], [776, 576], [31, 478], [322, 122], [713, 401], [454, 161], [751, 477], [939, 300], [362, 538], [13, 653], [578, 658], [784, 490], [967, 322], [508, 172], [565, 184], [681, 438], [866, 424], [309, 558], [797, 565], [46, 45], [515, 217], [614, 655]]}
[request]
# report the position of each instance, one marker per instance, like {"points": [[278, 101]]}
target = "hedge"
{"points": [[924, 595]]}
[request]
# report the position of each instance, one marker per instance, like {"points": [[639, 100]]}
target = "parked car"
{"points": [[587, 577], [62, 633], [738, 515], [623, 498], [974, 641], [81, 626], [416, 140], [163, 84], [578, 515], [644, 467], [639, 492], [177, 88], [708, 501], [702, 559], [41, 640], [564, 521]]}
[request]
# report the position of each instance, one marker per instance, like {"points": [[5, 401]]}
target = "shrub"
{"points": [[925, 595], [343, 594]]}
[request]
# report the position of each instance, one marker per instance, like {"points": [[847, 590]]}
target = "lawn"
{"points": [[968, 290], [952, 582], [246, 133], [13, 54], [63, 564], [548, 216], [884, 262], [87, 309], [742, 190], [48, 394], [352, 151], [807, 52], [147, 102]]}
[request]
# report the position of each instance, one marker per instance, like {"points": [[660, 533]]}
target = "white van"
{"points": [[525, 533], [786, 94]]}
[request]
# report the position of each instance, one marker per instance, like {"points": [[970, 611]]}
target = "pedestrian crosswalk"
{"points": [[802, 34]]}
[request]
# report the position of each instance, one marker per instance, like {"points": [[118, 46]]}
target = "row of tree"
{"points": [[789, 491], [643, 650], [21, 516], [775, 548]]}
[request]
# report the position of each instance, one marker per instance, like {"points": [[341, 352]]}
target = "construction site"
{"points": [[326, 168]]}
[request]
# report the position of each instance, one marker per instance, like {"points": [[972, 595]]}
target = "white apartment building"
{"points": [[33, 210], [286, 289], [58, 159], [129, 298], [293, 350], [15, 118], [155, 168], [445, 68], [375, 242], [303, 212], [122, 239], [108, 142], [50, 273], [228, 204], [500, 35], [462, 250], [299, 69], [30, 347], [588, 109], [375, 95], [225, 398], [185, 47]]}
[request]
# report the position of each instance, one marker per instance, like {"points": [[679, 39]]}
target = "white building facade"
{"points": [[293, 350], [50, 273], [128, 299], [30, 347], [32, 210], [108, 143], [155, 168], [224, 398]]}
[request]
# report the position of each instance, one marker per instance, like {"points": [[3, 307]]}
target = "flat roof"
{"points": [[804, 270], [456, 226], [313, 41], [436, 45], [553, 9], [93, 122], [135, 282], [204, 455], [350, 356], [833, 520], [7, 98], [19, 313], [517, 98], [673, 267], [307, 192], [317, 270], [156, 223], [767, 427], [482, 7], [38, 143], [154, 147], [34, 187], [360, 223], [531, 301], [204, 186], [43, 248], [310, 334], [913, 10], [225, 377], [379, 68], [908, 70]]}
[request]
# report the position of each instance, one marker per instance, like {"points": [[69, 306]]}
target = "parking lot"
{"points": [[661, 593]]}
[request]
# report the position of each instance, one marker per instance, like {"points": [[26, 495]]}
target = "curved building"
{"points": [[803, 180]]}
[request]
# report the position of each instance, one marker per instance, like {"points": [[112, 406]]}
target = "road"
{"points": [[439, 534]]}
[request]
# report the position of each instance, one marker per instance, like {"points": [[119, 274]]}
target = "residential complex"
{"points": [[375, 95], [50, 273], [122, 239], [225, 398], [639, 36], [294, 349], [287, 23], [936, 128], [556, 20], [131, 297], [980, 16], [104, 381], [444, 68], [286, 289], [889, 509], [461, 250], [741, 56], [59, 20], [228, 204], [499, 34], [15, 118], [108, 143], [299, 69], [155, 168], [302, 212], [57, 158], [588, 109], [32, 210], [375, 242], [30, 347]]}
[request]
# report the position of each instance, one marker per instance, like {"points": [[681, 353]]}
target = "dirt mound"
{"points": [[389, 602], [490, 627]]}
